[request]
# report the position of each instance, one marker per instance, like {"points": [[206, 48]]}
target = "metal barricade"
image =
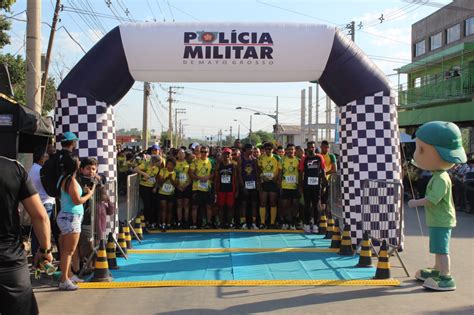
{"points": [[133, 197], [335, 196], [382, 213]]}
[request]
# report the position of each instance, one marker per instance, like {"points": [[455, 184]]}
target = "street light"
{"points": [[257, 112]]}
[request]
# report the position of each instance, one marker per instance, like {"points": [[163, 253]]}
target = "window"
{"points": [[453, 33], [435, 41], [420, 48], [469, 30]]}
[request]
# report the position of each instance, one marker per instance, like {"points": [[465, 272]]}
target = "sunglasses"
{"points": [[204, 151]]}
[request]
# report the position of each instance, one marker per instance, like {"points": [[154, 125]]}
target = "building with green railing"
{"points": [[440, 78]]}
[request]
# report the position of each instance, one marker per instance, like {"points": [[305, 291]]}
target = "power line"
{"points": [[171, 11], [151, 10], [180, 10]]}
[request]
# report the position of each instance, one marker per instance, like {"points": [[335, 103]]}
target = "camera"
{"points": [[89, 181]]}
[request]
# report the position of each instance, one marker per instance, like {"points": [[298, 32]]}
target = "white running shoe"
{"points": [[292, 227], [307, 228], [244, 226], [75, 279], [314, 229], [254, 226], [67, 286]]}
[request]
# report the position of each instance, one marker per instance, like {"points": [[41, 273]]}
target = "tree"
{"points": [[252, 138], [17, 69], [265, 136], [4, 23]]}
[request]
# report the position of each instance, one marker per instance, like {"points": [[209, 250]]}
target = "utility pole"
{"points": [[250, 130], [230, 132], [310, 112], [48, 51], [303, 116], [316, 114], [277, 132], [33, 55], [170, 112], [176, 112], [238, 132], [146, 93]]}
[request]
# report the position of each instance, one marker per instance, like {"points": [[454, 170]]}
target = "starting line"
{"points": [[234, 250], [235, 283]]}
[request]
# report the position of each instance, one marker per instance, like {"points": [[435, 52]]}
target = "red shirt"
{"points": [[301, 165]]}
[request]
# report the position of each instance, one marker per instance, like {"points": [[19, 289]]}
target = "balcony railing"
{"points": [[449, 89]]}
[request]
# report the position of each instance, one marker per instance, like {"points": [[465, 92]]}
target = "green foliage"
{"points": [[252, 138], [4, 23], [265, 136], [17, 69], [6, 4]]}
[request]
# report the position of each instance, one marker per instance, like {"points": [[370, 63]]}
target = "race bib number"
{"points": [[290, 179], [250, 184], [167, 188], [225, 179], [151, 180], [269, 176], [182, 177], [313, 181], [203, 184]]}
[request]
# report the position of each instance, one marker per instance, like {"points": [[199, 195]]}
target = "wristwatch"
{"points": [[45, 250]]}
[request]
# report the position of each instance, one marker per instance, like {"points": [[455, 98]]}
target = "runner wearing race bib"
{"points": [[311, 173], [225, 183], [201, 172], [289, 187], [148, 170], [269, 169], [247, 170], [331, 168], [167, 182], [183, 189]]}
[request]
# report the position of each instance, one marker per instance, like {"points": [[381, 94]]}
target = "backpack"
{"points": [[50, 173]]}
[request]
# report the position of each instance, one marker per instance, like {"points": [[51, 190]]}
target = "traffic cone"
{"points": [[128, 238], [111, 257], [330, 229], [383, 265], [323, 225], [336, 236], [365, 255], [122, 243], [101, 268], [138, 228], [346, 243], [142, 217]]}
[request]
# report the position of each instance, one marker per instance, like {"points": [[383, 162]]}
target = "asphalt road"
{"points": [[408, 298]]}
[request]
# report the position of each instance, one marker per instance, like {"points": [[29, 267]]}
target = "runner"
{"points": [[269, 174], [248, 187], [201, 172], [167, 182], [331, 168], [256, 152], [226, 183], [311, 177], [289, 188], [148, 171], [183, 190]]}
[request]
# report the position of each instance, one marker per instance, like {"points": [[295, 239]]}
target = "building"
{"points": [[440, 78]]}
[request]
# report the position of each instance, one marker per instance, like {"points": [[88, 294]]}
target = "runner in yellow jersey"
{"points": [[167, 182], [269, 173], [289, 188], [183, 189], [201, 172], [331, 168], [148, 171]]}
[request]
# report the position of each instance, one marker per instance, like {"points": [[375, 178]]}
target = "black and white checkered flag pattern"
{"points": [[369, 150], [94, 124]]}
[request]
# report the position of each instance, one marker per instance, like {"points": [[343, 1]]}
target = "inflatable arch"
{"points": [[241, 52]]}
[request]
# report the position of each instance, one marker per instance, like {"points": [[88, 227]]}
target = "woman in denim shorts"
{"points": [[69, 220]]}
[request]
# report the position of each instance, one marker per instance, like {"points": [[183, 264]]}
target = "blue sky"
{"points": [[211, 106]]}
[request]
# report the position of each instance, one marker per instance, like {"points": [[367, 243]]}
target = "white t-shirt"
{"points": [[34, 174]]}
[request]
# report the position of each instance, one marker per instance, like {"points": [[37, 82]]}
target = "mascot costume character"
{"points": [[438, 148]]}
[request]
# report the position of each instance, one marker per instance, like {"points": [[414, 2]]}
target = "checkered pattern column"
{"points": [[369, 150], [94, 124]]}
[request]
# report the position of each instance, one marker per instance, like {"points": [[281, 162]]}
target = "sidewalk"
{"points": [[409, 298]]}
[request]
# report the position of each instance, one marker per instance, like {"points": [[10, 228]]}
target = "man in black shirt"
{"points": [[16, 294]]}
